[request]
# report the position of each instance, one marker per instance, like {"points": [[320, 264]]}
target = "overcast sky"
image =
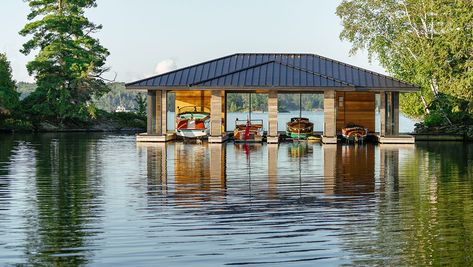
{"points": [[146, 37]]}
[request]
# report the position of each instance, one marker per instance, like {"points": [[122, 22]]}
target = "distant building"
{"points": [[121, 109]]}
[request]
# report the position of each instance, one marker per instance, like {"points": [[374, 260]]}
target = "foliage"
{"points": [[428, 43], [123, 119], [15, 124], [434, 118], [141, 103], [69, 64], [9, 97]]}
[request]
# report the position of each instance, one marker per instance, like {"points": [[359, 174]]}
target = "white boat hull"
{"points": [[192, 133]]}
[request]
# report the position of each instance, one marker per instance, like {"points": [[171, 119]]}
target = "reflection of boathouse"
{"points": [[349, 93]]}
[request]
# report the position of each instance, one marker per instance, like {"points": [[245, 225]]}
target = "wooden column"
{"points": [[389, 113], [272, 117], [216, 113], [164, 112], [330, 115], [151, 116], [382, 113], [395, 113]]}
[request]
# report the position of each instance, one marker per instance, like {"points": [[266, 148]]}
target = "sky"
{"points": [[148, 37]]}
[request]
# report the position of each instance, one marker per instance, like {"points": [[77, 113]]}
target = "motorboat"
{"points": [[192, 122], [248, 130], [353, 132], [299, 127]]}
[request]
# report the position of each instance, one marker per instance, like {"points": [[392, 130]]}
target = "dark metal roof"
{"points": [[288, 71]]}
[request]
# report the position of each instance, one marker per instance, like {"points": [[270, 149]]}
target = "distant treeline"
{"points": [[239, 102], [117, 96]]}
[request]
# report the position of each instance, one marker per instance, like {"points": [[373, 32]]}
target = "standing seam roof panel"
{"points": [[307, 68]]}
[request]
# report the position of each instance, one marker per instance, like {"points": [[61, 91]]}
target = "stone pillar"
{"points": [[273, 117], [151, 116], [158, 112], [382, 113], [164, 112], [330, 117], [216, 116]]}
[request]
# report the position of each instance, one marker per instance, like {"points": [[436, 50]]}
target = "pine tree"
{"points": [[69, 65], [9, 97]]}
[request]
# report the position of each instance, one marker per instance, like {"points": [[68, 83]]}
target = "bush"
{"points": [[13, 124], [433, 119]]}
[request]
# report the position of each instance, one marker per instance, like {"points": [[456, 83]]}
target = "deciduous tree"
{"points": [[426, 42]]}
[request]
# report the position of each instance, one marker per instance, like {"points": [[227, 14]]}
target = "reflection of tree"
{"points": [[423, 214], [437, 206], [7, 145], [66, 201]]}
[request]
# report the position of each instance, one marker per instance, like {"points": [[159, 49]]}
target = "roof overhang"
{"points": [[259, 88]]}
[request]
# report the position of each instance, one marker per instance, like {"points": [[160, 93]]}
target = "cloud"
{"points": [[165, 66]]}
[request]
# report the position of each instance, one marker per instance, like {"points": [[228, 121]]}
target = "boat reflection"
{"points": [[299, 149]]}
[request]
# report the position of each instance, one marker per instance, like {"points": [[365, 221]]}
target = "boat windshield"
{"points": [[193, 109]]}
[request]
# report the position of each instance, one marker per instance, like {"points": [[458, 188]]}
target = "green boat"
{"points": [[300, 128]]}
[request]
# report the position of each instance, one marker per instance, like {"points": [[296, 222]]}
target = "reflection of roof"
{"points": [[287, 71]]}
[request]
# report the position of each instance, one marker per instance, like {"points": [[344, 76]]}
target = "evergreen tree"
{"points": [[69, 63], [9, 97]]}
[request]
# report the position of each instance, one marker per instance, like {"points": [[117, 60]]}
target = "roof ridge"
{"points": [[268, 62], [233, 72], [364, 70], [316, 73]]}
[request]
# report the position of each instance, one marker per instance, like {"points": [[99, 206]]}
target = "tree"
{"points": [[69, 65], [428, 43], [141, 103], [9, 97]]}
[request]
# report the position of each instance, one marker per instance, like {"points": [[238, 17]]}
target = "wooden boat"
{"points": [[191, 123], [248, 131], [299, 127], [353, 132]]}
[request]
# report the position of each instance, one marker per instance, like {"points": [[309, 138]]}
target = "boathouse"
{"points": [[349, 93]]}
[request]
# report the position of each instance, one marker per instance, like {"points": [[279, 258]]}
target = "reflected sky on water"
{"points": [[102, 199]]}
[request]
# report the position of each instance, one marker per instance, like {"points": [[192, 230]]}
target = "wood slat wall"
{"points": [[357, 108], [193, 98]]}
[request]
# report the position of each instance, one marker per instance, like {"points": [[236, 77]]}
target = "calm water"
{"points": [[103, 200]]}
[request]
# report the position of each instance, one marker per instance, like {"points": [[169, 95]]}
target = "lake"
{"points": [[78, 199]]}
